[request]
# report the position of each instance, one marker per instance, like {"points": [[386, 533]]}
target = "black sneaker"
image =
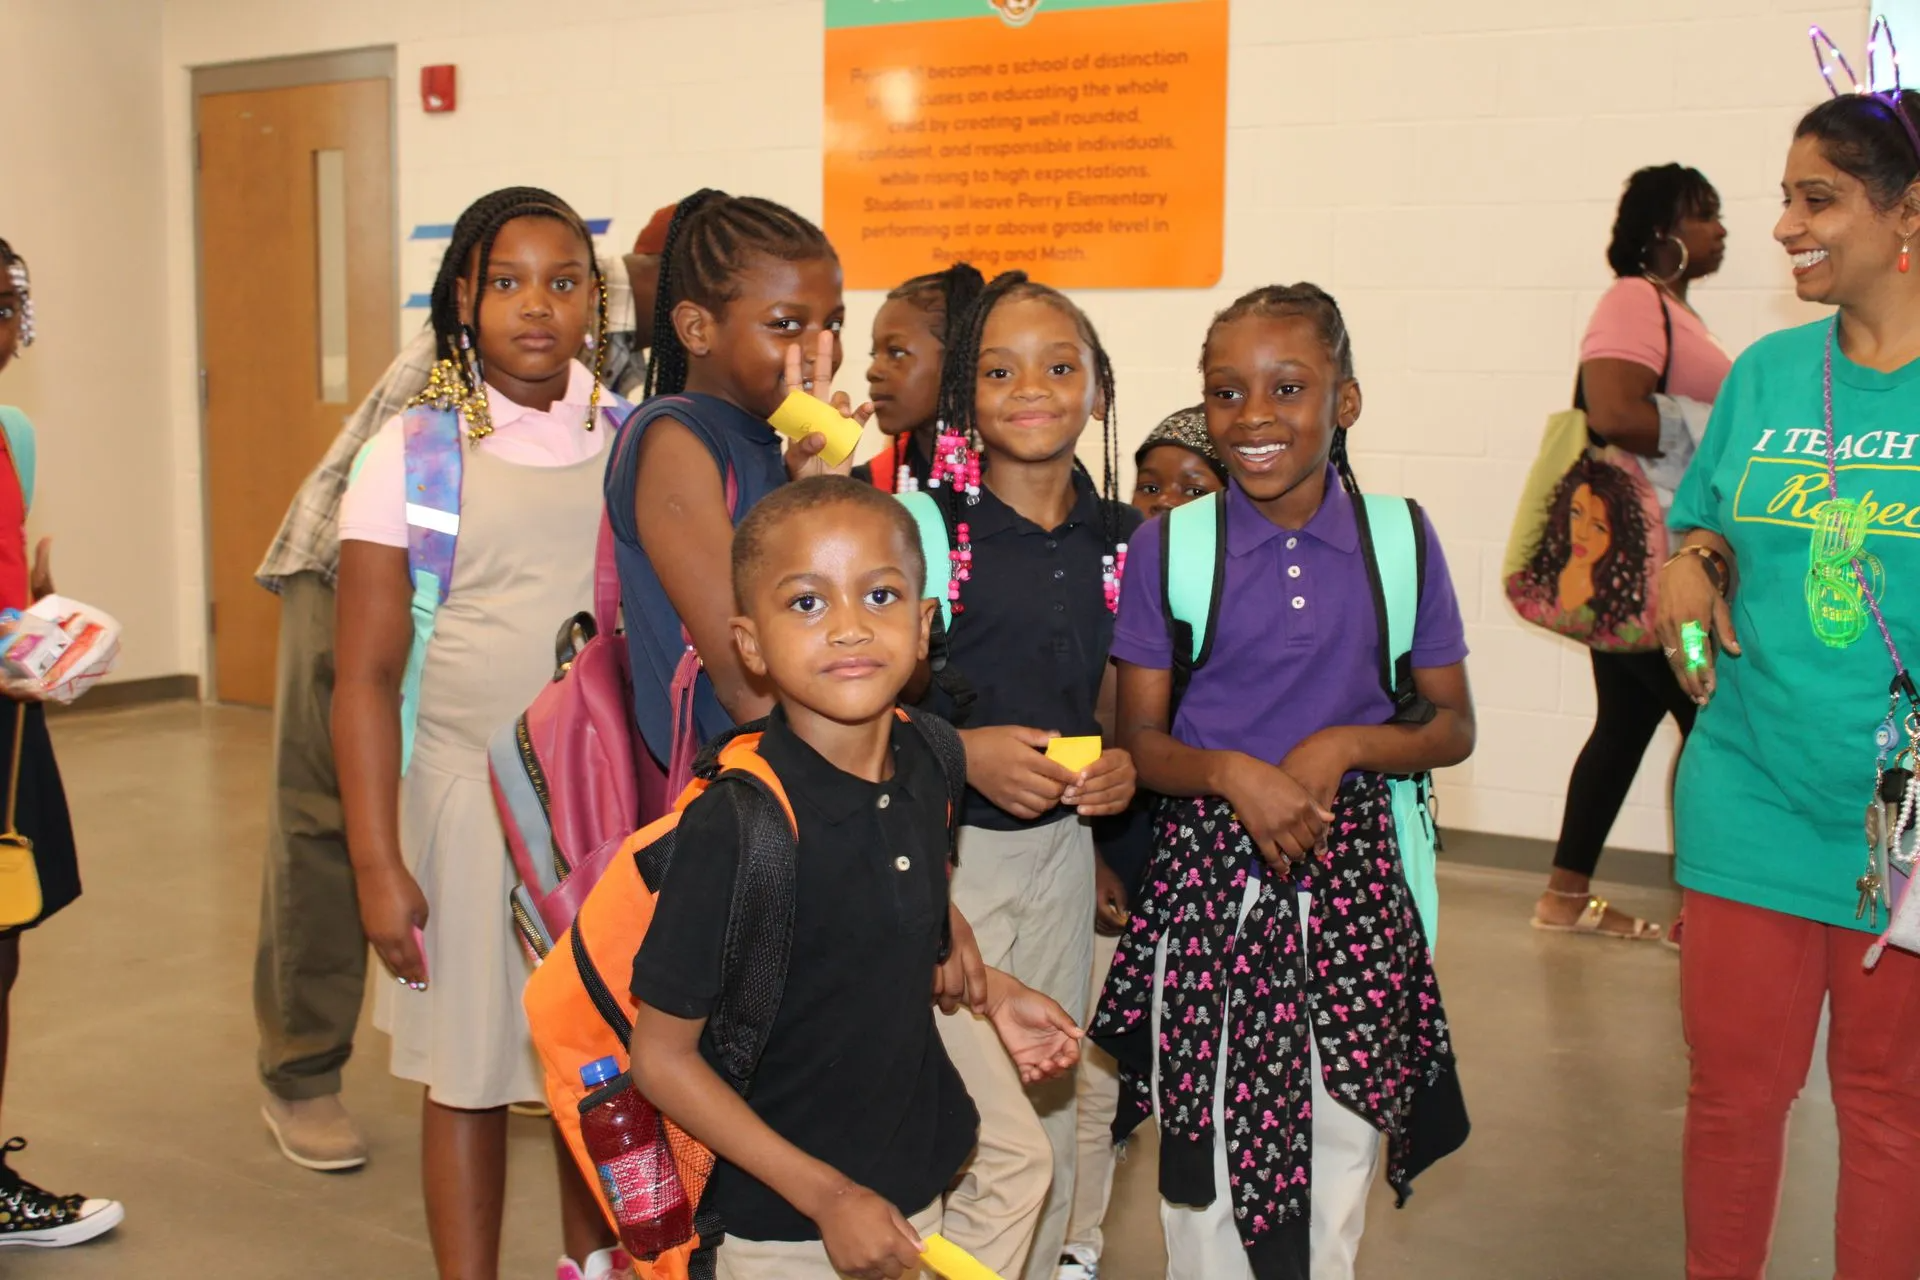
{"points": [[30, 1216]]}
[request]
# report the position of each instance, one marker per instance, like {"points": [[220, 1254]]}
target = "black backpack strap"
{"points": [[952, 754], [1396, 678], [759, 938], [948, 678], [947, 748], [1179, 634]]}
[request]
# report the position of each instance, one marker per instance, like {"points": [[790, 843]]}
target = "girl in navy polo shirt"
{"points": [[1273, 1004], [1036, 552], [743, 282]]}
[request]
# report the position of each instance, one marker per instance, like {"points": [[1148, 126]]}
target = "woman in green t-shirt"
{"points": [[1776, 778]]}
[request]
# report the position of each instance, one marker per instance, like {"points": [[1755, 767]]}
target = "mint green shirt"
{"points": [[1770, 805]]}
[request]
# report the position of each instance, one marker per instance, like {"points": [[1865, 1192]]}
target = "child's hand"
{"points": [[40, 580], [962, 979], [1008, 765], [803, 456], [1318, 764], [391, 908], [1286, 823], [1039, 1036], [866, 1237], [1103, 787], [1110, 913]]}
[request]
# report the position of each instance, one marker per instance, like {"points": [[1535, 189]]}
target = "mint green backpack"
{"points": [[20, 443], [1394, 545]]}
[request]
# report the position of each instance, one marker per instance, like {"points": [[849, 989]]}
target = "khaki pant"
{"points": [[1097, 1095], [803, 1259], [310, 972], [1203, 1242], [1029, 897]]}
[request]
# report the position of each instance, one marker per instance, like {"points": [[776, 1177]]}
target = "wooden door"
{"points": [[297, 323]]}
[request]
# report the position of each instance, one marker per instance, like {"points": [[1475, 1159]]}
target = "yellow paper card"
{"points": [[801, 415], [1074, 753], [953, 1262]]}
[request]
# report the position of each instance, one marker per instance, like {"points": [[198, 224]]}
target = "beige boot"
{"points": [[316, 1133]]}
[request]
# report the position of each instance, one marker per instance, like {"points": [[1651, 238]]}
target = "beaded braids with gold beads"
{"points": [[457, 380]]}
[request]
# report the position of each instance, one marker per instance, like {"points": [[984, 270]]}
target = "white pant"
{"points": [[1202, 1240]]}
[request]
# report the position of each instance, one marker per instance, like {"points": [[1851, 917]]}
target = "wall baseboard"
{"points": [[1521, 853], [121, 694]]}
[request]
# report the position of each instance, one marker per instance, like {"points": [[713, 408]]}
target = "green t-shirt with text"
{"points": [[1771, 800]]}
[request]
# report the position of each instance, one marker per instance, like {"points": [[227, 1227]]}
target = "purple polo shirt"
{"points": [[1298, 647]]}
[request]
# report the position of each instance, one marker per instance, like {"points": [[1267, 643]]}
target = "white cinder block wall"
{"points": [[80, 184], [1447, 170]]}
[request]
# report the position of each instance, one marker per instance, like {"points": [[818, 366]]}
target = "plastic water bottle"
{"points": [[627, 1141]]}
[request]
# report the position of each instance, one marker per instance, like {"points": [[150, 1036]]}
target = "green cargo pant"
{"points": [[311, 971]]}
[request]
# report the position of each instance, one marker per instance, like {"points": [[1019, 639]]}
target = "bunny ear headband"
{"points": [[1833, 65]]}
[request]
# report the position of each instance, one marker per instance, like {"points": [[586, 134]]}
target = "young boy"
{"points": [[856, 1122]]}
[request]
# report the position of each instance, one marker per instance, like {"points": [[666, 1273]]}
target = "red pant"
{"points": [[1752, 983]]}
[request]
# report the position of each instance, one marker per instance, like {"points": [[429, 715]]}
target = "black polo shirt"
{"points": [[919, 465], [854, 1073], [1034, 635]]}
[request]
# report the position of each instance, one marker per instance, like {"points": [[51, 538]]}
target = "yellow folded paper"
{"points": [[953, 1262], [801, 415], [1074, 753]]}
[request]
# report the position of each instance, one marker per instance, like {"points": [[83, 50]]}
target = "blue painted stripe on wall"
{"points": [[418, 302], [444, 230]]}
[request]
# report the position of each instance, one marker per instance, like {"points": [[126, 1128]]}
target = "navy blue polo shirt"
{"points": [[1033, 635]]}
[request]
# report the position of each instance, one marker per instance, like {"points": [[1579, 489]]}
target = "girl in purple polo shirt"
{"points": [[1273, 1004]]}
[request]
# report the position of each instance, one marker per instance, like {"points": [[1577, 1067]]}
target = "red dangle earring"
{"points": [[1906, 258]]}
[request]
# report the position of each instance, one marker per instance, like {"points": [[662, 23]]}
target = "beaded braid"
{"points": [[1309, 302], [458, 378], [950, 294], [22, 281], [958, 454], [709, 241]]}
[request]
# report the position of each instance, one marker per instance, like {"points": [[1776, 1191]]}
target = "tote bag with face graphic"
{"points": [[1589, 536]]}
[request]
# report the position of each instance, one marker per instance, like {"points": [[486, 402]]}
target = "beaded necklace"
{"points": [[955, 459], [1841, 573], [1840, 595]]}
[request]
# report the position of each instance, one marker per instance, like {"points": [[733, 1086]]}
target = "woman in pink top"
{"points": [[1666, 235]]}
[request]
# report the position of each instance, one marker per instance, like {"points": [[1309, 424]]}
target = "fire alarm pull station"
{"points": [[437, 88]]}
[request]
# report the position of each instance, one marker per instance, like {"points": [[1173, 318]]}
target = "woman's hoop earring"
{"points": [[1679, 272]]}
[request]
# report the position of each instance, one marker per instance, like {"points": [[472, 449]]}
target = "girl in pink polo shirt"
{"points": [[517, 296]]}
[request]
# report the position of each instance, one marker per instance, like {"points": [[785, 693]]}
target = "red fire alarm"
{"points": [[437, 88]]}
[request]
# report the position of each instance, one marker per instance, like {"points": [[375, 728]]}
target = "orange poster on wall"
{"points": [[1082, 141]]}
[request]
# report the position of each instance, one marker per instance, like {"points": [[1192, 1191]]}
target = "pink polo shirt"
{"points": [[374, 507], [1626, 326]]}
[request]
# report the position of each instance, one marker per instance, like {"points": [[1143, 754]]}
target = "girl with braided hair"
{"points": [[517, 295], [749, 308], [910, 334], [1036, 556], [1273, 1004]]}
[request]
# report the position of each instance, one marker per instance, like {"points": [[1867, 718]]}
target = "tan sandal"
{"points": [[1593, 917]]}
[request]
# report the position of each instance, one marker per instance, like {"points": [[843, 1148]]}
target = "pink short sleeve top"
{"points": [[1626, 326], [374, 507]]}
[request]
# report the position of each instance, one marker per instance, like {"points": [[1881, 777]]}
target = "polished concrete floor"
{"points": [[132, 1071]]}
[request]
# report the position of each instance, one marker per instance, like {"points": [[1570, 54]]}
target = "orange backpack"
{"points": [[578, 1015]]}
